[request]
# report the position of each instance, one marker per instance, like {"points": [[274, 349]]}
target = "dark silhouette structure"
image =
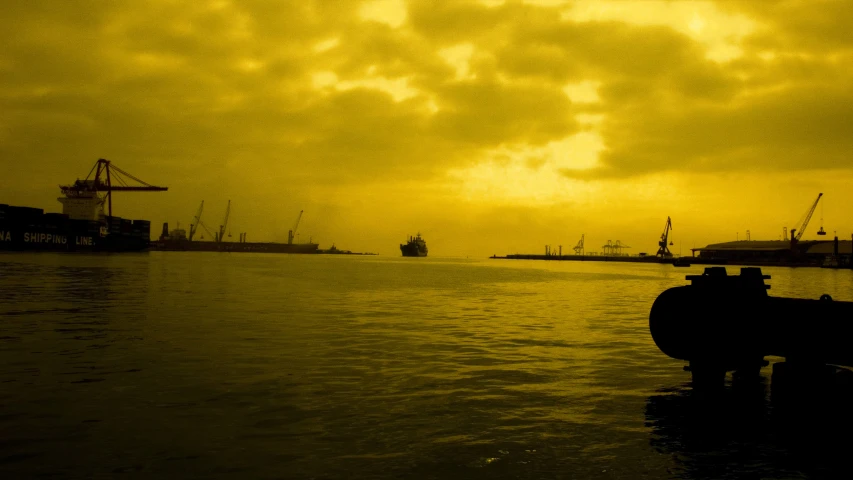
{"points": [[83, 226], [108, 179], [723, 323], [663, 246], [414, 247]]}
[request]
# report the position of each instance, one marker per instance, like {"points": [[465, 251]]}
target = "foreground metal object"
{"points": [[721, 323]]}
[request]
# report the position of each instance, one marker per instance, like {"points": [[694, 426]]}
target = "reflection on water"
{"points": [[753, 430], [177, 365]]}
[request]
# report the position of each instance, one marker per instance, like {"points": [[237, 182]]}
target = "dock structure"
{"points": [[806, 253], [789, 251], [585, 258]]}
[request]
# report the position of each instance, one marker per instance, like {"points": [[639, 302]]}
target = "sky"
{"points": [[489, 126]]}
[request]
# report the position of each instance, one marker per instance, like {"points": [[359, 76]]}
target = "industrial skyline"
{"points": [[490, 126]]}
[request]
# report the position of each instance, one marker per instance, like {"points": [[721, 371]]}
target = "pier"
{"points": [[586, 258]]}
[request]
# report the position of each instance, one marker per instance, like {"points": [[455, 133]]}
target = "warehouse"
{"points": [[776, 252]]}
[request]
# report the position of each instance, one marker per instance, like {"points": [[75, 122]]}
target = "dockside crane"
{"points": [[663, 244], [821, 231], [211, 234], [579, 247], [292, 232], [224, 223], [196, 221], [108, 178], [796, 234], [613, 248]]}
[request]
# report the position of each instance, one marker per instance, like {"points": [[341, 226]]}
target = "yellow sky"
{"points": [[489, 126]]}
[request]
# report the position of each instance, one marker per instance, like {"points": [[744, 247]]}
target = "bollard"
{"points": [[722, 323]]}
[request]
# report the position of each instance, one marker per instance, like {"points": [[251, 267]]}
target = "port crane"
{"points": [[797, 235], [292, 232], [663, 246], [579, 247], [108, 178], [224, 223], [821, 231], [196, 221], [613, 248]]}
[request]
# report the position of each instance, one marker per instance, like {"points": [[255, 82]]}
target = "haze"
{"points": [[488, 126]]}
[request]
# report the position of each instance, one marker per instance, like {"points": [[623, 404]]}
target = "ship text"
{"points": [[5, 236], [45, 238]]}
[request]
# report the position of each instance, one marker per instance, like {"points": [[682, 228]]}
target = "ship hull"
{"points": [[25, 229], [235, 247], [35, 239], [412, 251]]}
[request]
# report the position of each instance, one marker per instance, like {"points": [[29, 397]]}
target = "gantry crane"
{"points": [[292, 232], [797, 235], [579, 247], [613, 248], [663, 244], [106, 174], [224, 223]]}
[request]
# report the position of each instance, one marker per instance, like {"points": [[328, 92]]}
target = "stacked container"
{"points": [[142, 229], [114, 225]]}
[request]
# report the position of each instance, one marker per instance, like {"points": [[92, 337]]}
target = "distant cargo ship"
{"points": [[82, 225], [177, 240], [415, 247]]}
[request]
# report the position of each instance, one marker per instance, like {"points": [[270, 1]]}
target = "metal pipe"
{"points": [[730, 322]]}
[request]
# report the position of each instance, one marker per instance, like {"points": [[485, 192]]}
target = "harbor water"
{"points": [[217, 365]]}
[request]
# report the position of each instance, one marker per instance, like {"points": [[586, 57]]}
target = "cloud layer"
{"points": [[313, 103]]}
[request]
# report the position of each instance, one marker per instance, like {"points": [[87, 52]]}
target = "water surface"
{"points": [[207, 365]]}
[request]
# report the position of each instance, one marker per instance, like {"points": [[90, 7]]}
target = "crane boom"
{"points": [[108, 178], [196, 221], [292, 232], [225, 223], [807, 218], [212, 235]]}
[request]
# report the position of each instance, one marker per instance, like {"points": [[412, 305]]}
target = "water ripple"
{"points": [[174, 365]]}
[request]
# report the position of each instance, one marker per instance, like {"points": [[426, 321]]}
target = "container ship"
{"points": [[414, 247], [83, 225], [179, 240]]}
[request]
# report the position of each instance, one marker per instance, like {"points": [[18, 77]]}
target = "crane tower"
{"points": [[663, 244], [292, 232], [579, 247], [224, 223]]}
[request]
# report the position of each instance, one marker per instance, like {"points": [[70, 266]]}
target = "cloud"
{"points": [[285, 99], [797, 129], [819, 26]]}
